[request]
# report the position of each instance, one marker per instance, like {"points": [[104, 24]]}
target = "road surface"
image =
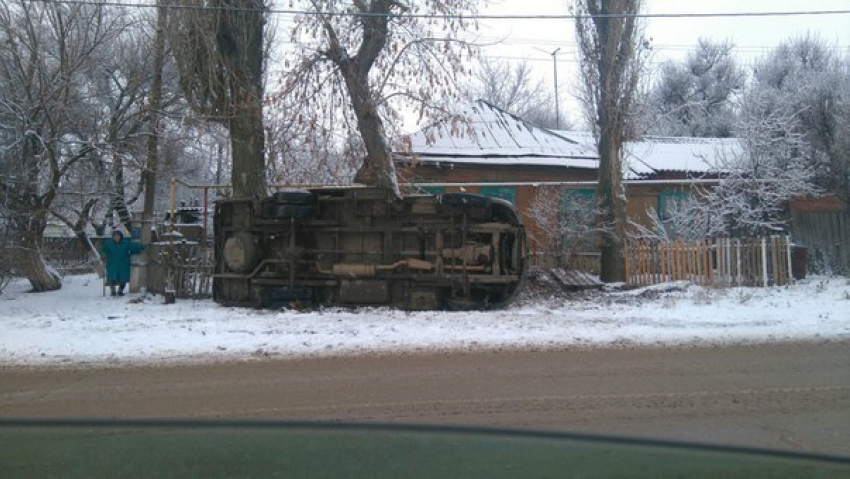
{"points": [[786, 396]]}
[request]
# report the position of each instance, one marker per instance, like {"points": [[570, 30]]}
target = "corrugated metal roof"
{"points": [[656, 154], [484, 134], [694, 155]]}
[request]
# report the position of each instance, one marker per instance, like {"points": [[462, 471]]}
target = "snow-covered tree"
{"points": [[357, 63], [46, 114], [696, 97], [104, 187], [805, 80], [757, 182], [791, 126], [74, 121]]}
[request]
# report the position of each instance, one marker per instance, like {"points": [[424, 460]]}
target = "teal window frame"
{"points": [[668, 197], [504, 192], [572, 203]]}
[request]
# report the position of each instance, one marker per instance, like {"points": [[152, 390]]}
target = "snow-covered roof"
{"points": [[59, 230], [652, 155], [484, 134]]}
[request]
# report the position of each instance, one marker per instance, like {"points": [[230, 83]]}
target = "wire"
{"points": [[448, 16]]}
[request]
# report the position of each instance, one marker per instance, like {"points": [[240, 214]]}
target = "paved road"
{"points": [[788, 396]]}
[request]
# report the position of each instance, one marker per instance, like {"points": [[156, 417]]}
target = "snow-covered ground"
{"points": [[78, 326]]}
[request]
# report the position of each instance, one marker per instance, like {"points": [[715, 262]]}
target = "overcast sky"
{"points": [[671, 38]]}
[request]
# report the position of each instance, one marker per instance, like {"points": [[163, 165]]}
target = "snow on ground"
{"points": [[78, 326]]}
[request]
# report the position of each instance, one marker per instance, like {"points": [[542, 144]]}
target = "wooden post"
{"points": [[206, 215], [772, 265], [628, 249], [788, 258], [173, 201], [764, 261], [738, 266]]}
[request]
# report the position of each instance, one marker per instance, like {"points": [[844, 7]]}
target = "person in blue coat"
{"points": [[116, 252]]}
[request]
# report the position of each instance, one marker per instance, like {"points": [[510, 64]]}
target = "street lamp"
{"points": [[555, 69]]}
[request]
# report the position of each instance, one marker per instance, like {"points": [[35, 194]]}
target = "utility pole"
{"points": [[557, 104], [143, 278]]}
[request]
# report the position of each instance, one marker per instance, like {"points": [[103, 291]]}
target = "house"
{"points": [[660, 170], [491, 152], [494, 153]]}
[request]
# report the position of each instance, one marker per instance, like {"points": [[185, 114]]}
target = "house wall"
{"points": [[525, 195], [640, 197], [822, 226]]}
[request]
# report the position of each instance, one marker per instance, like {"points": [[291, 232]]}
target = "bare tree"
{"points": [[359, 60], [612, 61], [219, 49], [696, 97], [103, 187], [513, 88], [566, 219], [300, 154], [46, 116]]}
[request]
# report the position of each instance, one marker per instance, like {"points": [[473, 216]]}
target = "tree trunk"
{"points": [[247, 143], [28, 221], [609, 42], [611, 217], [29, 261], [378, 168], [41, 277], [152, 148], [247, 135]]}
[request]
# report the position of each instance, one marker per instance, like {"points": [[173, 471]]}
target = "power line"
{"points": [[495, 42], [449, 16]]}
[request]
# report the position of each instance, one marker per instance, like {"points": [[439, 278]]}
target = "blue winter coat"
{"points": [[116, 255]]}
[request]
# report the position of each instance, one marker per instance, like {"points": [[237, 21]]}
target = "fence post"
{"points": [[778, 266], [739, 277], [626, 261], [788, 258], [774, 259], [764, 261], [721, 260]]}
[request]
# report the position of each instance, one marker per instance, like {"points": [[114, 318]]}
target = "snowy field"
{"points": [[77, 326]]}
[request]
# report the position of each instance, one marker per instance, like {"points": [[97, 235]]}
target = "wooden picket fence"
{"points": [[184, 268], [721, 262]]}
